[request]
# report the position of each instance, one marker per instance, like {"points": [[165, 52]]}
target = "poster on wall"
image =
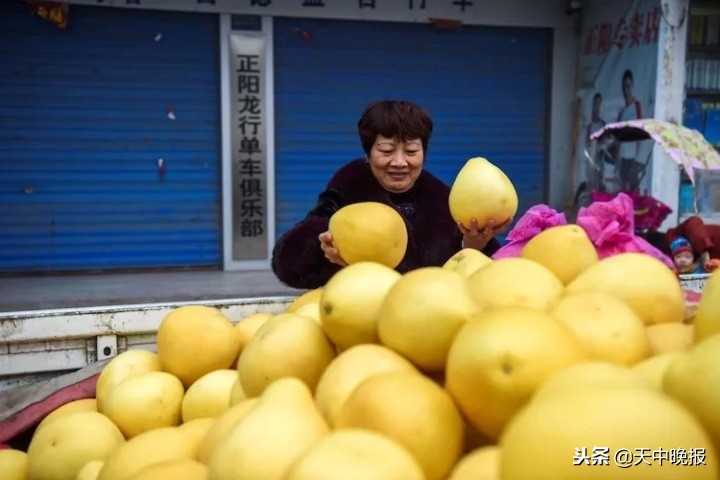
{"points": [[249, 148], [617, 81]]}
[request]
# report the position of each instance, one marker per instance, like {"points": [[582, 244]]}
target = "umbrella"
{"points": [[685, 146]]}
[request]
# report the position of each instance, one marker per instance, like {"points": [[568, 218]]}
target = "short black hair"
{"points": [[394, 118]]}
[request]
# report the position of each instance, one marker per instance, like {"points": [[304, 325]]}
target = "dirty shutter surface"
{"points": [[486, 88], [84, 124]]}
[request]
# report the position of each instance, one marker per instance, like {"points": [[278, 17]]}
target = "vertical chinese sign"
{"points": [[617, 81], [249, 148]]}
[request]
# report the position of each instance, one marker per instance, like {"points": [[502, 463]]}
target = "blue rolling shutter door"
{"points": [[487, 90], [84, 122]]}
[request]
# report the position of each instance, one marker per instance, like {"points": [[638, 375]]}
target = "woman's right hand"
{"points": [[330, 251]]}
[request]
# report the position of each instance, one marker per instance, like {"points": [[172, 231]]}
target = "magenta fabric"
{"points": [[535, 220], [611, 227]]}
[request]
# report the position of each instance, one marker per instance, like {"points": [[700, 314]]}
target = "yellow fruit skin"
{"points": [[480, 464], [354, 454], [13, 464], [181, 469], [693, 378], [412, 410], [482, 191], [276, 432], [608, 328], [653, 368], [153, 446], [311, 296], [707, 317], [421, 314], [369, 232], [237, 394], [613, 418], [144, 402], [247, 327], [125, 365], [288, 345], [515, 282], [90, 470], [349, 369], [351, 300], [82, 405], [194, 340], [565, 250], [646, 284], [467, 261], [498, 361], [61, 449], [222, 427], [670, 337], [196, 430], [209, 396]]}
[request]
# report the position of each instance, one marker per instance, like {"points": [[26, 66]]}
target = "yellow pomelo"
{"points": [[422, 313], [311, 296], [310, 310], [354, 454], [278, 430], [482, 191], [707, 317], [693, 378], [194, 340], [222, 427], [61, 449], [144, 402], [369, 232], [288, 345], [148, 448], [91, 470], [608, 328], [566, 250], [13, 464], [178, 469], [349, 369], [589, 376], [467, 261], [196, 430], [237, 394], [209, 396], [618, 424], [653, 368], [412, 410], [350, 302], [125, 365], [515, 282], [480, 464], [670, 337], [82, 405], [646, 284], [247, 327], [500, 359]]}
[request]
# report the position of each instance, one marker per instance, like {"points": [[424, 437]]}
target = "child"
{"points": [[684, 257]]}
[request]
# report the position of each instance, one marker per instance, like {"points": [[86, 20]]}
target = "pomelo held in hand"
{"points": [[482, 191], [369, 231]]}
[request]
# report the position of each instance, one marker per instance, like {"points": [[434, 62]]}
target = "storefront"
{"points": [[191, 134]]}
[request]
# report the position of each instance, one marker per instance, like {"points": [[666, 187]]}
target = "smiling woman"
{"points": [[394, 135]]}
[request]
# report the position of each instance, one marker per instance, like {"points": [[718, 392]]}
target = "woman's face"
{"points": [[396, 164]]}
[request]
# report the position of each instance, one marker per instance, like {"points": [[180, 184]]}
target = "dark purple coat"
{"points": [[433, 236]]}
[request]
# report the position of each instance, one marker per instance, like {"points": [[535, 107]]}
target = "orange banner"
{"points": [[53, 12]]}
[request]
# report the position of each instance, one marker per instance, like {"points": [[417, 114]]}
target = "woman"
{"points": [[394, 136]]}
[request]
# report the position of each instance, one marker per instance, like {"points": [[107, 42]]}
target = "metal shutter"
{"points": [[486, 88], [84, 122]]}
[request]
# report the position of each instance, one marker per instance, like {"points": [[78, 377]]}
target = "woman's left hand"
{"points": [[477, 238]]}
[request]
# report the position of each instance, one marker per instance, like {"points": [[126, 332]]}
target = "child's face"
{"points": [[683, 259]]}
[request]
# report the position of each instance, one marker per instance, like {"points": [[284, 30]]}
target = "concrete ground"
{"points": [[28, 293]]}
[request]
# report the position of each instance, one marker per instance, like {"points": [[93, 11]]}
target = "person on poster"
{"points": [[596, 174], [632, 110]]}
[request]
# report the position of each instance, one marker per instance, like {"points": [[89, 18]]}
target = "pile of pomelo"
{"points": [[553, 365]]}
